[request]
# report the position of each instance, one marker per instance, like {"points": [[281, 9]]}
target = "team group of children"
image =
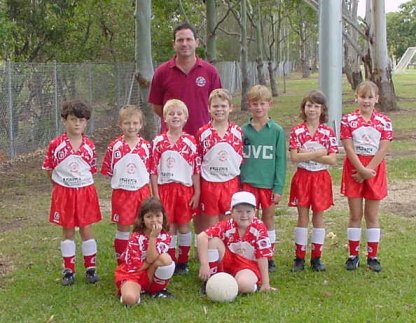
{"points": [[220, 178]]}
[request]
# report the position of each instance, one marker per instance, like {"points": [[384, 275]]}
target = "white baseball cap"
{"points": [[243, 198]]}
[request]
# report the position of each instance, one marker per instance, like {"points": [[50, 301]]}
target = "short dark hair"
{"points": [[150, 205], [317, 97], [75, 107], [183, 26]]}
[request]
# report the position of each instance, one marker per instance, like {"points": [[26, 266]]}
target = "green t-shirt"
{"points": [[264, 154]]}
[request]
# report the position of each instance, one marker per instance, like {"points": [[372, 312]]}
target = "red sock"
{"points": [[213, 267], [158, 284], [354, 247], [119, 247], [69, 263], [89, 261], [316, 250], [372, 248], [300, 251], [172, 253], [183, 256]]}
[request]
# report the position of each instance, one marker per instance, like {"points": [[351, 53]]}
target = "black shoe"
{"points": [[272, 266], [203, 288], [68, 278], [164, 293], [373, 264], [317, 265], [91, 276], [298, 265], [182, 269], [352, 263]]}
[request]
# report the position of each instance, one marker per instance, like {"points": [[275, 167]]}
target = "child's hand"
{"points": [[276, 198], [204, 272], [267, 288], [156, 230], [194, 202]]}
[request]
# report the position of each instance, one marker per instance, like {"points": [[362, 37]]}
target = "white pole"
{"points": [[330, 58]]}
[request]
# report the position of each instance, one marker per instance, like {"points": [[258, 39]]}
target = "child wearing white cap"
{"points": [[239, 246]]}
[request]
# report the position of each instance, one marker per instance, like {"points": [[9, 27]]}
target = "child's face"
{"points": [[75, 126], [175, 118], [219, 109], [243, 214], [152, 220], [313, 111], [260, 108], [366, 102], [131, 126]]}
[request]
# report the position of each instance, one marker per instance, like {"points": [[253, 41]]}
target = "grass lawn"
{"points": [[30, 260]]}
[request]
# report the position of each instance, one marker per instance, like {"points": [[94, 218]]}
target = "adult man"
{"points": [[185, 77]]}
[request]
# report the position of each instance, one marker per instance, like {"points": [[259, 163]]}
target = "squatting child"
{"points": [[175, 179], [313, 146], [127, 162], [70, 162], [263, 171], [146, 266], [366, 135], [220, 146], [240, 246]]}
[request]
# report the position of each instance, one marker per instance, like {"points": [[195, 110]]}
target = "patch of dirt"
{"points": [[5, 268]]}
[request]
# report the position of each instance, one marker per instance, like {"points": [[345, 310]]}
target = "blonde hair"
{"points": [[259, 93], [175, 103], [366, 87], [222, 94], [127, 111]]}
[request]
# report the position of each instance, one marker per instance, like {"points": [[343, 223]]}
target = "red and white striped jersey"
{"points": [[177, 162], [136, 250], [221, 157], [254, 244], [366, 135], [324, 137], [71, 168], [128, 168]]}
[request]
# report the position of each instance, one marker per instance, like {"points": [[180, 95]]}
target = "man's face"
{"points": [[185, 43]]}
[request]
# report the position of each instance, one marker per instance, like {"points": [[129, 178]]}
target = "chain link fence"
{"points": [[31, 95]]}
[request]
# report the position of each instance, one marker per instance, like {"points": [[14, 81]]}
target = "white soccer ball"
{"points": [[222, 287]]}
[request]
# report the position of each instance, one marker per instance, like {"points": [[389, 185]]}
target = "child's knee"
{"points": [[164, 259], [130, 298]]}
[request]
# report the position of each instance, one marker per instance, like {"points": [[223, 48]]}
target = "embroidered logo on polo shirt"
{"points": [[200, 81]]}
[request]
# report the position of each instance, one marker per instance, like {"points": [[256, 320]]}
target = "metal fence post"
{"points": [[90, 87], [55, 97], [10, 101]]}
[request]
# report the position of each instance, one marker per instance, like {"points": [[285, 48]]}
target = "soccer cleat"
{"points": [[164, 293], [69, 277], [272, 266], [182, 269], [352, 263], [91, 276], [298, 265], [317, 265], [373, 264]]}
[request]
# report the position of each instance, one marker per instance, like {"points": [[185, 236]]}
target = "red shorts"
{"points": [[311, 190], [175, 198], [216, 197], [374, 188], [125, 204], [74, 207], [121, 276], [263, 195], [232, 263]]}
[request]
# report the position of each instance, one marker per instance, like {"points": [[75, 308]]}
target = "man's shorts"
{"points": [[374, 188], [175, 198], [125, 204], [311, 190], [263, 195], [74, 207], [216, 197], [232, 263]]}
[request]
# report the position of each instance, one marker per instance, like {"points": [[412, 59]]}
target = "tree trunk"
{"points": [[211, 11], [144, 64], [273, 83], [381, 73], [244, 55], [259, 46]]}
